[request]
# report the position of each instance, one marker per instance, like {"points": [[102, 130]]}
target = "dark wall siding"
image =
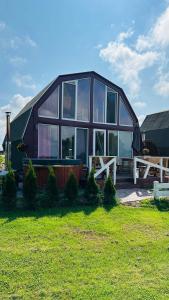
{"points": [[160, 139]]}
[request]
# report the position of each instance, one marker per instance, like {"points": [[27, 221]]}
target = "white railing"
{"points": [[160, 190], [150, 162], [105, 166]]}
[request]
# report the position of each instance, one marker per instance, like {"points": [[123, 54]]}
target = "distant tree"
{"points": [[71, 189], [52, 193], [30, 187], [9, 190], [92, 189], [109, 192]]}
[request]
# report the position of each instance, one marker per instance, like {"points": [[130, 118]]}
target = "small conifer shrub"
{"points": [[92, 189], [30, 187], [109, 192], [52, 193], [9, 190], [71, 189]]}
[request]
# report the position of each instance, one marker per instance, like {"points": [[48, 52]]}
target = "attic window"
{"points": [[50, 108], [124, 115]]}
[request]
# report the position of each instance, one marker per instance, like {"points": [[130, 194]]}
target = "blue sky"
{"points": [[125, 41]]}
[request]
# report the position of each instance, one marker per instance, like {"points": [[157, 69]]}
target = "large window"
{"points": [[81, 144], [76, 99], [69, 99], [111, 106], [50, 108], [83, 99], [125, 117], [113, 143], [99, 101], [125, 143], [68, 142], [99, 142], [48, 140]]}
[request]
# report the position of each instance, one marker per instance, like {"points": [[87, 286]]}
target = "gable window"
{"points": [[111, 106], [69, 99], [99, 90], [76, 99], [50, 108], [124, 115], [48, 140]]}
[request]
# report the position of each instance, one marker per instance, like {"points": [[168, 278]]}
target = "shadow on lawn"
{"points": [[53, 212]]}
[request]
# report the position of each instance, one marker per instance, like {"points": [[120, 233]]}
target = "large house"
{"points": [[74, 116]]}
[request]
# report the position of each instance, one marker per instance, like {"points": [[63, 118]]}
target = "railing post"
{"points": [[134, 170], [161, 170], [90, 163], [155, 189]]}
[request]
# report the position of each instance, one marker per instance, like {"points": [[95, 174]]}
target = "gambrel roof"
{"points": [[156, 121]]}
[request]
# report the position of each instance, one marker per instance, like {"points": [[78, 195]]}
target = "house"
{"points": [[73, 117], [155, 130]]}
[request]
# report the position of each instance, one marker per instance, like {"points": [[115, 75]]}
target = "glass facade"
{"points": [[124, 116], [113, 143], [99, 102], [111, 106], [69, 100], [125, 144], [48, 141], [83, 99], [99, 142], [81, 144], [68, 141], [50, 108]]}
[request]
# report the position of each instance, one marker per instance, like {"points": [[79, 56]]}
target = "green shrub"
{"points": [[9, 190], [92, 189], [109, 192], [71, 190], [51, 194], [162, 204], [30, 187]]}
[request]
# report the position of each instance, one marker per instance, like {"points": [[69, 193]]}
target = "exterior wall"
{"points": [[31, 134], [160, 139]]}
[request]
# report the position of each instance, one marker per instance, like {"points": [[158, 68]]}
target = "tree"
{"points": [[9, 189], [30, 187], [71, 189], [109, 192], [52, 193], [92, 189]]}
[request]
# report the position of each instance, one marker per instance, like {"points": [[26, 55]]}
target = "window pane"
{"points": [[125, 118], [99, 143], [69, 95], [48, 140], [99, 101], [81, 145], [113, 143], [125, 144], [49, 108], [83, 99], [68, 139], [111, 106]]}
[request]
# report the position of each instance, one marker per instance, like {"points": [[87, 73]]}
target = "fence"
{"points": [[104, 166], [160, 190]]}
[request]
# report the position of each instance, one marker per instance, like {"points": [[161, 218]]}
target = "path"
{"points": [[132, 195]]}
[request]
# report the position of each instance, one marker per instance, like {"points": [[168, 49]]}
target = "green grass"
{"points": [[85, 253]]}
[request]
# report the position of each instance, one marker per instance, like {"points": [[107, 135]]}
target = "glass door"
{"points": [[99, 142]]}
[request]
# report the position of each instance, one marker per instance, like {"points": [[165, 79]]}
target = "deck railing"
{"points": [[105, 162], [159, 163]]}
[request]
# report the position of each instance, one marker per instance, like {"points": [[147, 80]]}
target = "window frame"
{"points": [[94, 141], [105, 103], [76, 99], [48, 117], [44, 124]]}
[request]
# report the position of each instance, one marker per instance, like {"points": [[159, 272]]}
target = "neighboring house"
{"points": [[155, 129], [75, 116]]}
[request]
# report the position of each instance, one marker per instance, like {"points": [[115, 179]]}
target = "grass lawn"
{"points": [[85, 253]]}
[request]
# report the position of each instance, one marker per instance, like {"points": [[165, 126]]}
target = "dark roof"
{"points": [[156, 121]]}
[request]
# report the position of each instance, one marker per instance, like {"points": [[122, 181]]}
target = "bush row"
{"points": [[52, 196]]}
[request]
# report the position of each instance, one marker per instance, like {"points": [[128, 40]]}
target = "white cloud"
{"points": [[17, 61], [125, 35], [17, 42], [2, 26], [162, 86], [30, 42], [15, 105], [128, 63], [98, 46], [24, 81], [140, 104], [141, 119]]}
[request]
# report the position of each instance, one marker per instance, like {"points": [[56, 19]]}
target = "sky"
{"points": [[125, 41]]}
